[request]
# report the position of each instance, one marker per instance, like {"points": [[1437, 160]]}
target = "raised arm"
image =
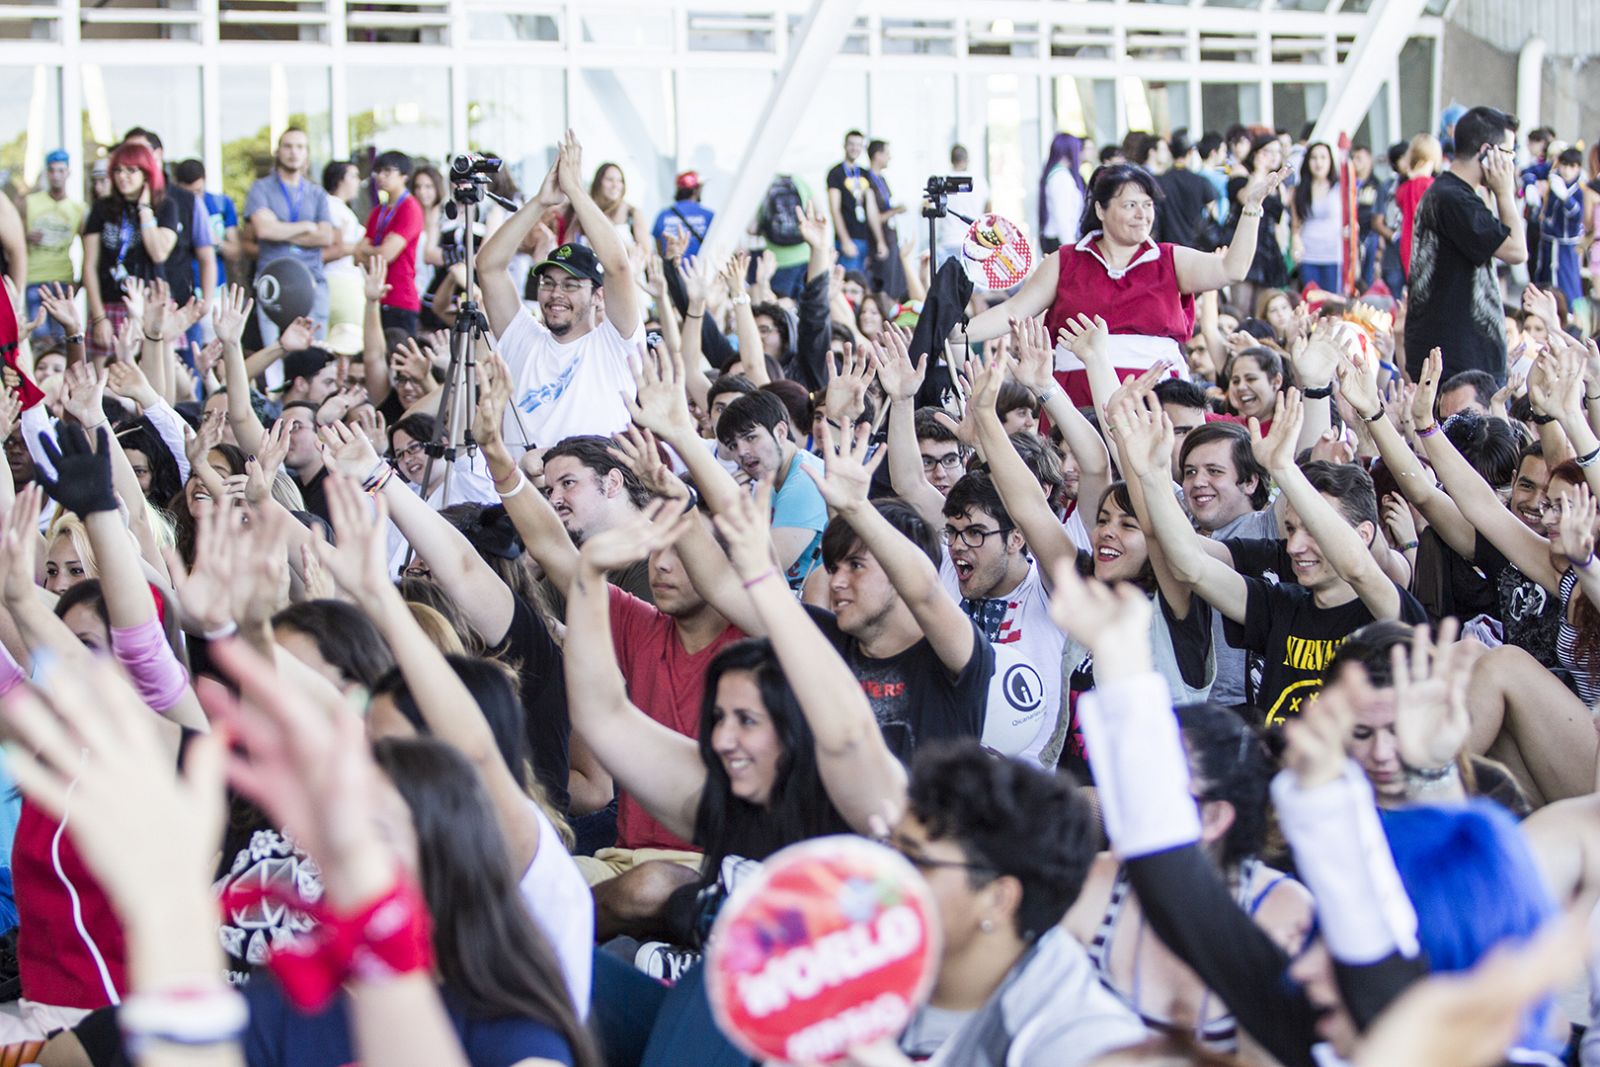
{"points": [[1035, 362], [621, 290], [1038, 292], [501, 301], [861, 775], [1500, 175], [374, 351], [232, 311], [1336, 539], [658, 766], [1358, 383], [1140, 424], [901, 381], [661, 405], [1200, 272], [844, 486], [1559, 395], [1475, 497]]}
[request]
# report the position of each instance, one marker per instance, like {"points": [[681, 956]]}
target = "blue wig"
{"points": [[1474, 884]]}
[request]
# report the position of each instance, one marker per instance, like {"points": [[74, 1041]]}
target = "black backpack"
{"points": [[779, 224]]}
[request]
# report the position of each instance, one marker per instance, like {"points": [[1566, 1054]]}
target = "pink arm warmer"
{"points": [[157, 675]]}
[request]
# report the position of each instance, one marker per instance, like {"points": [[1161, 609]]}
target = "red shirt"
{"points": [[58, 961], [666, 682], [403, 217], [1144, 300], [1408, 196]]}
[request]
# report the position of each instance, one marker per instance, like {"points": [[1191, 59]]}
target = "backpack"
{"points": [[778, 222]]}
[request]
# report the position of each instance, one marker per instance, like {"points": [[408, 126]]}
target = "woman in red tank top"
{"points": [[1143, 290]]}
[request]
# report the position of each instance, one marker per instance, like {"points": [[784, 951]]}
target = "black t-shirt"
{"points": [[1257, 557], [1187, 195], [314, 494], [180, 263], [1530, 616], [1191, 644], [255, 854], [528, 646], [1448, 584], [914, 697], [854, 187], [1454, 300], [1296, 639], [1366, 203], [117, 223]]}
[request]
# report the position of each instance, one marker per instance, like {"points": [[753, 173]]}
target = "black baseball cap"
{"points": [[577, 260]]}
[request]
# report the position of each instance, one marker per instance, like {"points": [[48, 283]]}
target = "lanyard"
{"points": [[386, 214], [125, 233], [300, 197]]}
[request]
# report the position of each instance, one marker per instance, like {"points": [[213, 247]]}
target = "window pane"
{"points": [[257, 104], [1087, 107], [634, 30], [508, 26], [1157, 107], [719, 31], [1416, 85], [717, 111], [626, 117], [1222, 104], [517, 113], [1003, 109], [30, 103], [1294, 104], [400, 107], [164, 99], [918, 111], [839, 103]]}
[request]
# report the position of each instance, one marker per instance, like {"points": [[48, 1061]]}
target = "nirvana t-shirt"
{"points": [[1454, 300], [280, 1036], [122, 253], [1530, 616], [1296, 639], [914, 697], [854, 187]]}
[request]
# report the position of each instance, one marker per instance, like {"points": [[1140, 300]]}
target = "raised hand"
{"points": [[1358, 381], [1315, 357], [83, 396], [1575, 529], [656, 527], [135, 295], [375, 274], [201, 443], [735, 271], [298, 335], [1315, 754], [892, 361], [82, 483], [1089, 340], [179, 319], [675, 246], [698, 278], [662, 403], [637, 450], [746, 528], [569, 167], [262, 468], [1035, 357], [1430, 696], [1398, 520], [340, 404], [59, 302], [1144, 434], [19, 545], [359, 562], [1275, 451], [813, 224], [1423, 400], [494, 396], [204, 588], [410, 361], [846, 394], [348, 452], [1262, 186], [847, 476], [231, 313], [157, 305], [1542, 303], [10, 411]]}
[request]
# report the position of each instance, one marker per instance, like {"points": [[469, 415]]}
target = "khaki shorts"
{"points": [[610, 862]]}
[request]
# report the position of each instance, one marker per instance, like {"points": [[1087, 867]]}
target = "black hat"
{"points": [[577, 260]]}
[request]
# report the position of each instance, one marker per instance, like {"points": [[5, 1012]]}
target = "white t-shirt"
{"points": [[559, 901], [1025, 690], [563, 390], [350, 231]]}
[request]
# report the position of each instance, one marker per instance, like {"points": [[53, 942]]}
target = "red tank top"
{"points": [[1144, 300], [58, 964]]}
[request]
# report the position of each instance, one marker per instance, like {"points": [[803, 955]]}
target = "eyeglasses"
{"points": [[566, 285], [950, 461], [927, 863], [415, 448], [972, 536]]}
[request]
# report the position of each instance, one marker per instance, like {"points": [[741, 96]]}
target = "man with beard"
{"points": [[570, 371]]}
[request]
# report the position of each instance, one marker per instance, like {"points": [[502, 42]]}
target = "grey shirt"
{"points": [[307, 202], [1229, 687]]}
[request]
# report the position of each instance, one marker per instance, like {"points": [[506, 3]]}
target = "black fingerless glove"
{"points": [[82, 483]]}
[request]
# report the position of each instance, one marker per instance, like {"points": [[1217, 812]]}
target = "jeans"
{"points": [[1326, 276], [856, 258], [1369, 260], [789, 281], [50, 327]]}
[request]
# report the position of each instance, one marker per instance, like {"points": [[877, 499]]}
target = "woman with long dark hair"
{"points": [[610, 192], [1318, 220], [1267, 268], [1061, 193], [128, 234]]}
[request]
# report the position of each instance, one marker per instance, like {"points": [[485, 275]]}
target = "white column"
{"points": [[1388, 26], [821, 36]]}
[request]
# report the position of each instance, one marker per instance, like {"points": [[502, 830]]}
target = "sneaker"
{"points": [[667, 962]]}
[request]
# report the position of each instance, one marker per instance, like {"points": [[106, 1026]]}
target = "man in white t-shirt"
{"points": [[988, 570], [571, 370]]}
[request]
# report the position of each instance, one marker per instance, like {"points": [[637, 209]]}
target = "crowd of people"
{"points": [[1220, 648]]}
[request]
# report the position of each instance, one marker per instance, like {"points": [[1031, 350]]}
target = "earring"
{"points": [[986, 925]]}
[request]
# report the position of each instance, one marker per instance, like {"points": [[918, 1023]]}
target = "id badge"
{"points": [[119, 274], [861, 212]]}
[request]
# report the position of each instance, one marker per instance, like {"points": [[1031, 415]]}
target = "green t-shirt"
{"points": [[793, 255], [56, 223]]}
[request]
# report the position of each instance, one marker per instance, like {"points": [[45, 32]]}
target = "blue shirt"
{"points": [[307, 203], [798, 505], [279, 1036], [697, 226], [220, 215]]}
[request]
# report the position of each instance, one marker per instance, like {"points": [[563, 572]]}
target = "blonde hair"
{"points": [[440, 632], [71, 527], [1425, 149], [286, 491]]}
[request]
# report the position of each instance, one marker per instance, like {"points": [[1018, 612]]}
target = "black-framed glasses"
{"points": [[415, 448], [950, 461], [972, 536]]}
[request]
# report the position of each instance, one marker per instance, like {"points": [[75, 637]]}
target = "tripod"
{"points": [[935, 206], [459, 395]]}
